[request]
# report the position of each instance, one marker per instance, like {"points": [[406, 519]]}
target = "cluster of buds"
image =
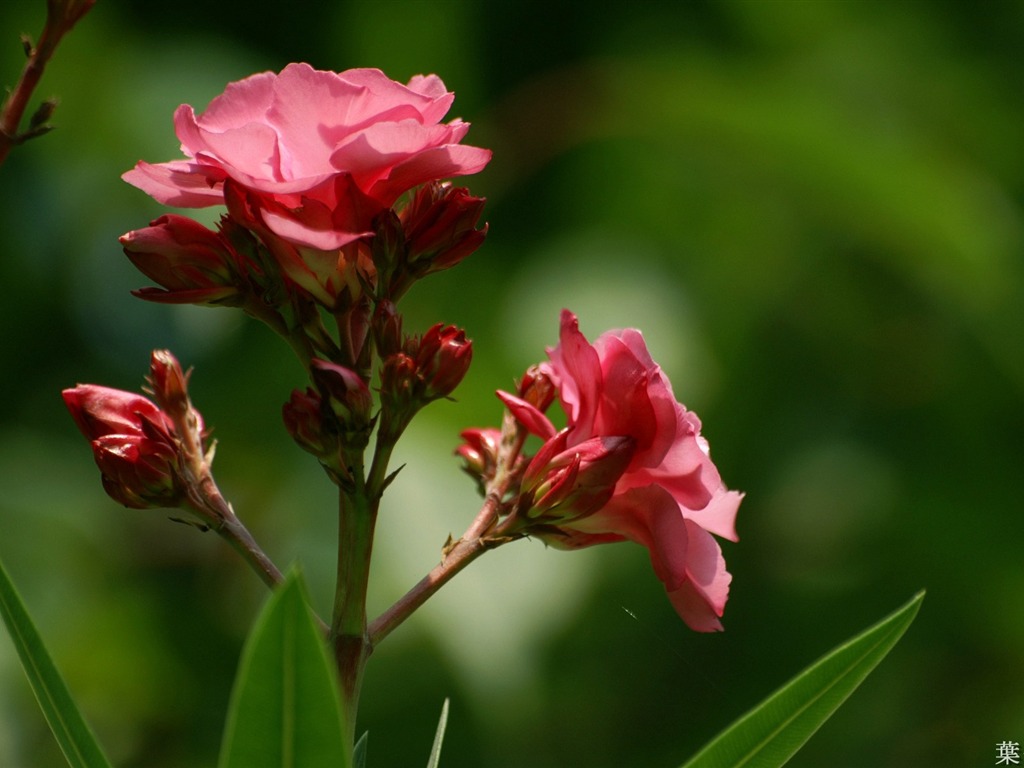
{"points": [[424, 368], [150, 454], [560, 482], [436, 230], [331, 418]]}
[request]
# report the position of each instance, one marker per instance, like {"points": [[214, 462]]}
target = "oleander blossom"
{"points": [[670, 497], [308, 159]]}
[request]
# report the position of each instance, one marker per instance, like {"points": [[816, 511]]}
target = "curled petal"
{"points": [[528, 415]]}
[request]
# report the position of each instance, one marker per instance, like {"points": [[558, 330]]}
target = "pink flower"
{"points": [[316, 155], [670, 497]]}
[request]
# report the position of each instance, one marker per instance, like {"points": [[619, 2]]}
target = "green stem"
{"points": [[357, 515]]}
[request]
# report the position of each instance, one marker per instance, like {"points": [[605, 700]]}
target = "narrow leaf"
{"points": [[285, 710], [435, 752], [359, 753], [69, 728], [772, 732]]}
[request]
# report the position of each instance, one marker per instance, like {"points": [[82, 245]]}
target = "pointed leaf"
{"points": [[69, 728], [435, 752], [359, 753], [772, 732], [285, 709]]}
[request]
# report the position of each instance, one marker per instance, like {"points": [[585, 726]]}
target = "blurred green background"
{"points": [[812, 209]]}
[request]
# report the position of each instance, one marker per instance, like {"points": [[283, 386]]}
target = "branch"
{"points": [[60, 18]]}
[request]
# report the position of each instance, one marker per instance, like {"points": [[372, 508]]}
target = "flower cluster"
{"points": [[312, 164], [337, 196], [630, 464]]}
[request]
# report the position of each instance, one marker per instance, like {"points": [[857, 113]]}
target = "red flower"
{"points": [[670, 497]]}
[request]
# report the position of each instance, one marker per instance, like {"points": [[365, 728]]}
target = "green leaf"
{"points": [[435, 752], [359, 753], [69, 728], [773, 731], [285, 710]]}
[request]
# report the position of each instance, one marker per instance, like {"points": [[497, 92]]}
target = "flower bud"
{"points": [[399, 383], [480, 452], [387, 328], [133, 444], [193, 264], [528, 415], [138, 472], [536, 388], [566, 483], [442, 360], [440, 226], [168, 383], [303, 418], [388, 246], [347, 397]]}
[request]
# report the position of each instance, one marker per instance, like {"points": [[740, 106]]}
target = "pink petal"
{"points": [[308, 233], [376, 148], [700, 601], [428, 94], [578, 369], [651, 517], [719, 516], [248, 154], [528, 415], [434, 89], [179, 183], [242, 102], [626, 408], [444, 162]]}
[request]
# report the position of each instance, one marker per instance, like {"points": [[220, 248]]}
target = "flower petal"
{"points": [[180, 183]]}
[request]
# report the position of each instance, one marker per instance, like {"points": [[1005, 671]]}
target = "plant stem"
{"points": [[357, 514], [14, 105], [465, 551], [238, 536]]}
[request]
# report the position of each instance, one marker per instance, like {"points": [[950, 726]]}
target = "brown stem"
{"points": [[13, 110], [465, 551], [478, 538]]}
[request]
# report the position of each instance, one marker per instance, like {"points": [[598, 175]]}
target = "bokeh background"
{"points": [[814, 211]]}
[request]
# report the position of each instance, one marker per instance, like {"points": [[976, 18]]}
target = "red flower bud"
{"points": [[440, 225], [566, 483], [193, 264], [303, 418], [133, 444], [537, 388], [137, 471], [442, 359], [399, 383], [100, 411], [387, 328], [347, 395], [480, 452]]}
